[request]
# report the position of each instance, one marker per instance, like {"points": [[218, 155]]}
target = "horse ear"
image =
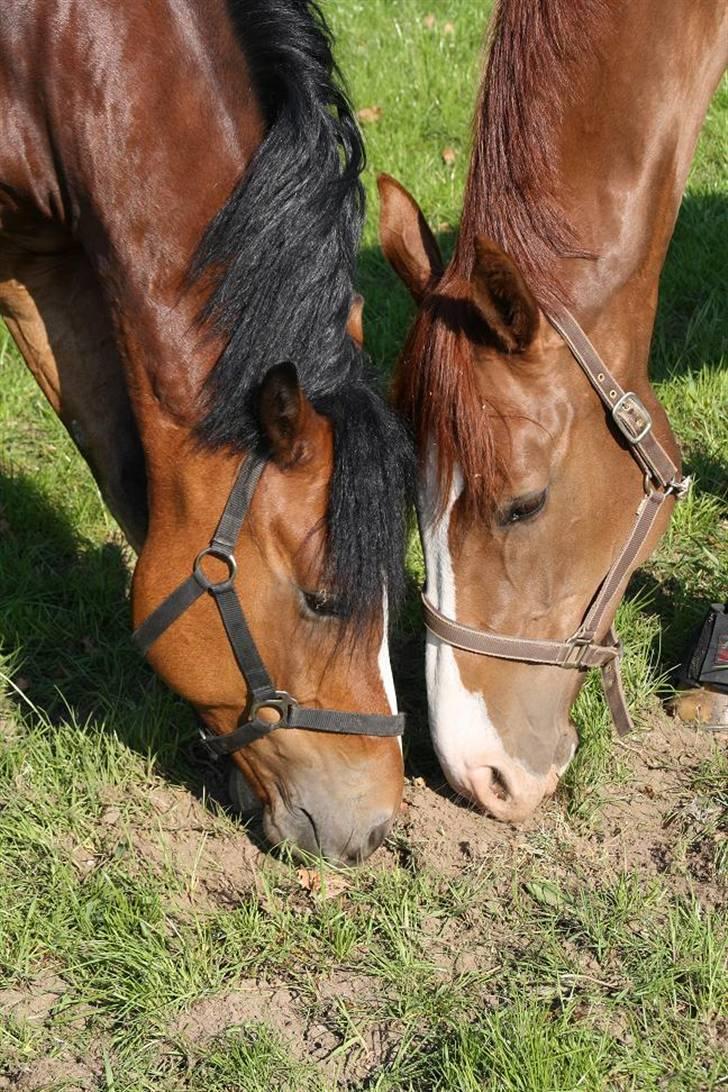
{"points": [[355, 321], [286, 415], [407, 241], [500, 294]]}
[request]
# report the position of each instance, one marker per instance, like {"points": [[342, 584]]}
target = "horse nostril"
{"points": [[498, 784], [356, 853], [377, 834]]}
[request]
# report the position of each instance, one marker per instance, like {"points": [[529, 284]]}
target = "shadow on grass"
{"points": [[64, 613], [64, 618], [690, 328], [690, 334]]}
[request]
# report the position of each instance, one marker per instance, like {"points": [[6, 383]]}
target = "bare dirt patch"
{"points": [[34, 1002], [168, 830], [310, 1031], [251, 1002], [64, 1073], [632, 829]]}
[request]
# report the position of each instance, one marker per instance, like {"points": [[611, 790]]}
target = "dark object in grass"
{"points": [[707, 665], [704, 698]]}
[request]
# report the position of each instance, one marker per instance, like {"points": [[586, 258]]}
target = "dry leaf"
{"points": [[329, 886], [368, 115], [449, 155], [309, 879], [429, 21], [84, 860], [449, 28]]}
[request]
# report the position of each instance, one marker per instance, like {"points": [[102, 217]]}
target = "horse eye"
{"points": [[523, 508], [325, 605]]}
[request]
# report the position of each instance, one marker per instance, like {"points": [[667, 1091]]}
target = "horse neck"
{"points": [[626, 151], [167, 134], [623, 138]]}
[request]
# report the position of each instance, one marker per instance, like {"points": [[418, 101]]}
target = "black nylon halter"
{"points": [[263, 694]]}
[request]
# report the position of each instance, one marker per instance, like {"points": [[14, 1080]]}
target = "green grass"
{"points": [[540, 963]]}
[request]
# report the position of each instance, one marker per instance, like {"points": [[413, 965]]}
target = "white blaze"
{"points": [[463, 734], [385, 664]]}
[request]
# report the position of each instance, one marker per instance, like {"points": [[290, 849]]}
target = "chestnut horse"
{"points": [[180, 211], [535, 504]]}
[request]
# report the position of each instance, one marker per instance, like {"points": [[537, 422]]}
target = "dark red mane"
{"points": [[535, 66]]}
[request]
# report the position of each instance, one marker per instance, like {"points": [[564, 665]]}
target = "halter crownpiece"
{"points": [[262, 692], [662, 480]]}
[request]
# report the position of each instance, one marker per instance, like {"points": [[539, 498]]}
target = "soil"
{"points": [[631, 828]]}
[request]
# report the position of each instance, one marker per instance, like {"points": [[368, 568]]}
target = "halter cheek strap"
{"points": [[662, 481], [262, 692]]}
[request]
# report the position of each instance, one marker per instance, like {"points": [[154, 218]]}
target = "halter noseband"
{"points": [[662, 480], [263, 694]]}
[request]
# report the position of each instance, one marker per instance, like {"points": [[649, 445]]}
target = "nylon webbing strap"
{"points": [[225, 537], [239, 501], [167, 613], [314, 720], [262, 690], [244, 647], [358, 724]]}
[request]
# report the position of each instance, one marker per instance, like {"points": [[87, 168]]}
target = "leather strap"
{"points": [[621, 567], [570, 653], [581, 650], [614, 690], [632, 416], [262, 692]]}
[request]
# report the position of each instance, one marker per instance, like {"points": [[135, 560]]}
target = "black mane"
{"points": [[281, 256]]}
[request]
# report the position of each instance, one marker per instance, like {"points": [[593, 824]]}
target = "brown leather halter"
{"points": [[662, 480], [263, 693]]}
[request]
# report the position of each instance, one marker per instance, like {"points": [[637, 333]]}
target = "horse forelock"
{"points": [[437, 392]]}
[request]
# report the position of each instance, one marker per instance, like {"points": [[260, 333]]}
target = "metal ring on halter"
{"points": [[221, 555], [281, 703]]}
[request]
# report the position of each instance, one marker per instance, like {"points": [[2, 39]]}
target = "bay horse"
{"points": [[548, 469], [180, 212]]}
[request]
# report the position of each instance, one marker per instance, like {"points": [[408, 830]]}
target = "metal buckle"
{"points": [[622, 410], [221, 555], [282, 703], [577, 651]]}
